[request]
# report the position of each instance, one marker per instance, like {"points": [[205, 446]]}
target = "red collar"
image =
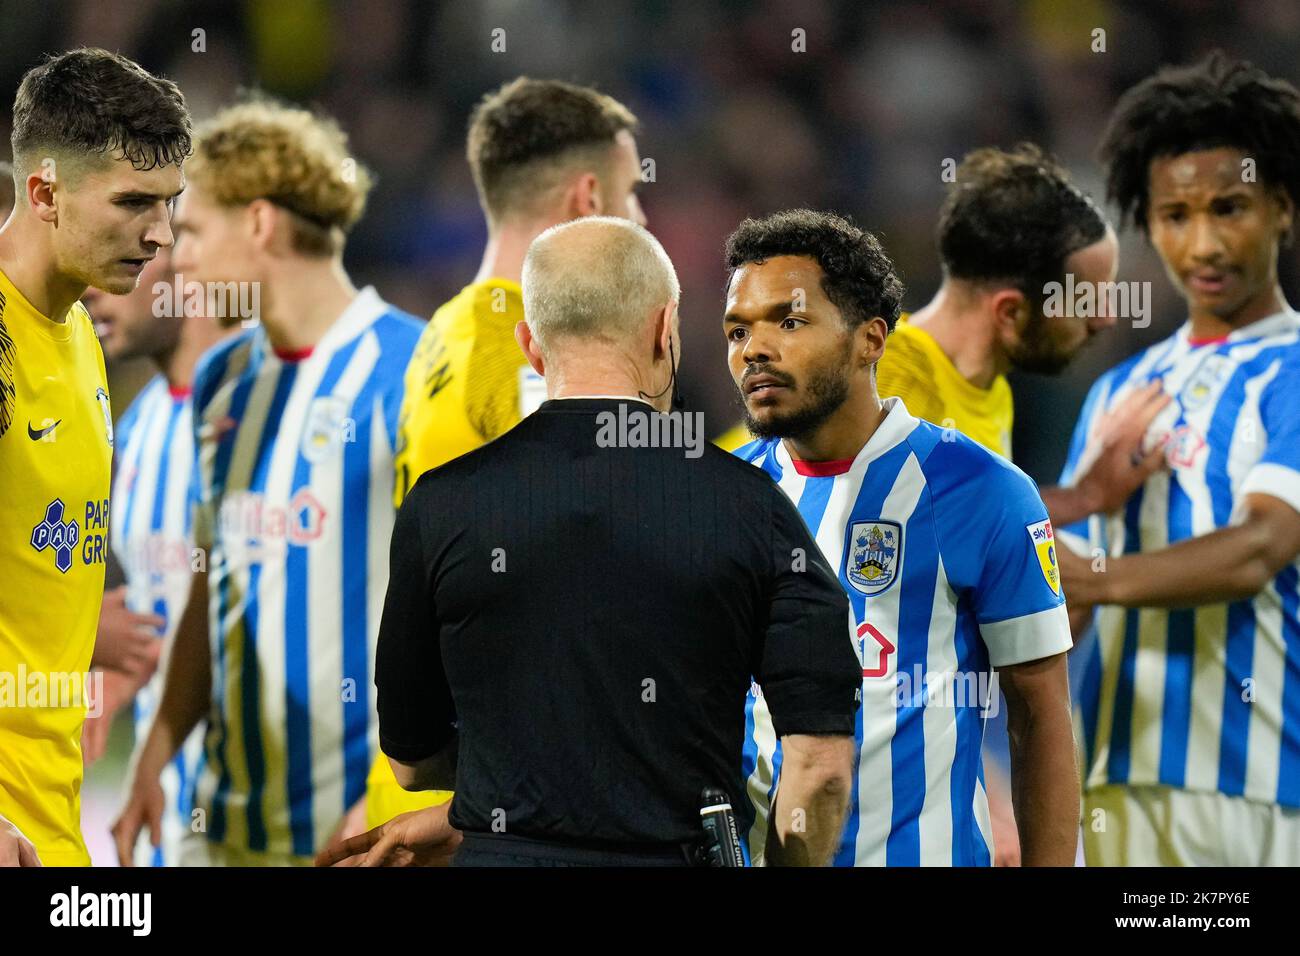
{"points": [[821, 469], [293, 355]]}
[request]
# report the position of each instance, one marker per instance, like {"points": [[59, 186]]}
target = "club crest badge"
{"points": [[1044, 541], [327, 428], [1206, 381], [873, 556]]}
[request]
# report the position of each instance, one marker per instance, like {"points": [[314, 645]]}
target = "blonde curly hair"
{"points": [[296, 159]]}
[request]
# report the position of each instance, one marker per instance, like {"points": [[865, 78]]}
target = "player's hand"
{"points": [[16, 849], [1118, 459], [116, 691], [144, 807], [418, 838], [126, 641]]}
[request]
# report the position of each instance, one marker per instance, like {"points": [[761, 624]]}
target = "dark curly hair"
{"points": [[93, 101], [1014, 216], [1217, 102], [516, 128], [857, 276]]}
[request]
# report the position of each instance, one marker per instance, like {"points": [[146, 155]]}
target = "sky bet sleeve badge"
{"points": [[1045, 547], [874, 550]]}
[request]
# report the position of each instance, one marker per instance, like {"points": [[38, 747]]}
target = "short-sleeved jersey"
{"points": [[1204, 698], [152, 497], [947, 556], [294, 510], [916, 370], [56, 438]]}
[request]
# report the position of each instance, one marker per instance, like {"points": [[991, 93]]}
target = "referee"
{"points": [[575, 610]]}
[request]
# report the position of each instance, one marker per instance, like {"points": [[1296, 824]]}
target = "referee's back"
{"points": [[577, 617]]}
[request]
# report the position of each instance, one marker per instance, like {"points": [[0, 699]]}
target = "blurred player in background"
{"points": [[295, 424], [1191, 702], [151, 530], [542, 152], [942, 547], [98, 144], [1011, 224]]}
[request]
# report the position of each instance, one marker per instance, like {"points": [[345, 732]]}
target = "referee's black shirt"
{"points": [[590, 617]]}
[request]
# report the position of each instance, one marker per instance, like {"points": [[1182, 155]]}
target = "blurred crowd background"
{"points": [[736, 122]]}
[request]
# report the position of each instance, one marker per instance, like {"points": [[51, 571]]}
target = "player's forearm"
{"points": [[1068, 505], [1044, 784], [187, 684], [1228, 565]]}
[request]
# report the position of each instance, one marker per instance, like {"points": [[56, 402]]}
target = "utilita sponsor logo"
{"points": [[248, 518]]}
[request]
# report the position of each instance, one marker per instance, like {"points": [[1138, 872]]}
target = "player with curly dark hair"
{"points": [[943, 548], [1190, 713]]}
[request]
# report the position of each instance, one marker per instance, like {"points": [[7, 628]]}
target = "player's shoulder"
{"points": [[218, 363], [398, 325], [964, 477]]}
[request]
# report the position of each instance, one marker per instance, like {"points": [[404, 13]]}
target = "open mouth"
{"points": [[760, 386], [1208, 282]]}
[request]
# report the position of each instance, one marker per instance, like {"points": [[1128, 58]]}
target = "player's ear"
{"points": [[532, 352], [871, 336], [1010, 313], [584, 197], [41, 195], [263, 220], [1286, 216]]}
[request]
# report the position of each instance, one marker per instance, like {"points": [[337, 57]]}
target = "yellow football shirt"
{"points": [[56, 438], [467, 383], [916, 370]]}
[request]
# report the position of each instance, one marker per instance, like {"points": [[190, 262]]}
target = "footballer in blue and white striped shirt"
{"points": [[151, 494], [295, 423], [945, 551], [1190, 703]]}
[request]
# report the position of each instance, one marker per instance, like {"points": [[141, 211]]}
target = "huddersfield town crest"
{"points": [[327, 428], [1206, 382], [875, 549]]}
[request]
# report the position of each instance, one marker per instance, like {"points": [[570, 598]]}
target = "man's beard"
{"points": [[1036, 352], [827, 389]]}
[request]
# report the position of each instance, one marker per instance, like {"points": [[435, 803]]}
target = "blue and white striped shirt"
{"points": [[151, 539], [295, 504], [947, 556], [1204, 698]]}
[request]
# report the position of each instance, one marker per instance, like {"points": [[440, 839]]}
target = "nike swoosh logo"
{"points": [[35, 435]]}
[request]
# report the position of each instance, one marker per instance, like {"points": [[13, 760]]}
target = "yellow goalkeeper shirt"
{"points": [[56, 446]]}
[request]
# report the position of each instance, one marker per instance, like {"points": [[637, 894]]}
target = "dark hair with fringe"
{"points": [[857, 275], [1216, 102]]}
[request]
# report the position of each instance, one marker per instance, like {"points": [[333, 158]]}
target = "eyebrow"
{"points": [[774, 309], [154, 197]]}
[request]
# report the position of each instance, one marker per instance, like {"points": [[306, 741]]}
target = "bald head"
{"points": [[596, 278]]}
